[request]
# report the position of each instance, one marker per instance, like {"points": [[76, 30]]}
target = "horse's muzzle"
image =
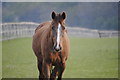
{"points": [[57, 49]]}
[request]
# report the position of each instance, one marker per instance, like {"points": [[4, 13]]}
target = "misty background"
{"points": [[92, 15]]}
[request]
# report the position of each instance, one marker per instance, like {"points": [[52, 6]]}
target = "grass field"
{"points": [[89, 58]]}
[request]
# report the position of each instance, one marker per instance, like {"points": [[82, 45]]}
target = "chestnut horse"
{"points": [[51, 46]]}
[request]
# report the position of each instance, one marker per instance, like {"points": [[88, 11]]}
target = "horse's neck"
{"points": [[49, 38]]}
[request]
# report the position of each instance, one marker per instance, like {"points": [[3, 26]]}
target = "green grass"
{"points": [[89, 58]]}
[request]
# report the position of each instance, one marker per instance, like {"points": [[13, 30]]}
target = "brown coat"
{"points": [[42, 44], [43, 48]]}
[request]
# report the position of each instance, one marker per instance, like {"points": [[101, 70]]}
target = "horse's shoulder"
{"points": [[42, 25]]}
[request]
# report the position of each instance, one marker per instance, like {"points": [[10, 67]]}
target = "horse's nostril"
{"points": [[54, 48], [60, 48]]}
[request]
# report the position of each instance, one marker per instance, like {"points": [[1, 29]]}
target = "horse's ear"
{"points": [[63, 15], [53, 15]]}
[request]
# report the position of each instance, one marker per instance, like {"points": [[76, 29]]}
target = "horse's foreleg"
{"points": [[61, 70], [40, 70], [54, 73], [46, 69]]}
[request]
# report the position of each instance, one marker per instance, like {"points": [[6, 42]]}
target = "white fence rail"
{"points": [[26, 29]]}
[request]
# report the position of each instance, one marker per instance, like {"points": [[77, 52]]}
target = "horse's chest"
{"points": [[55, 58]]}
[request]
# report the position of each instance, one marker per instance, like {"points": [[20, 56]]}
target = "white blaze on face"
{"points": [[58, 35]]}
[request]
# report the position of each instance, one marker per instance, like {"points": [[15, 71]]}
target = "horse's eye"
{"points": [[53, 28], [63, 27]]}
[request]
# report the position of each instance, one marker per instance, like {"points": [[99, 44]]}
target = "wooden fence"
{"points": [[18, 30], [26, 29]]}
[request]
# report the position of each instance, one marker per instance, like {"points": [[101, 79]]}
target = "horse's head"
{"points": [[57, 30]]}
